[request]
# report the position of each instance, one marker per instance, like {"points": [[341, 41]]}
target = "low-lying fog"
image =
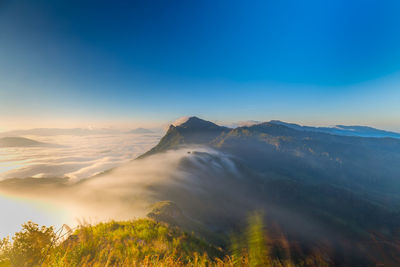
{"points": [[124, 193]]}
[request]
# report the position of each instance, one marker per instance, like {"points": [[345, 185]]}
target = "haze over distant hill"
{"points": [[140, 131], [59, 131], [20, 142]]}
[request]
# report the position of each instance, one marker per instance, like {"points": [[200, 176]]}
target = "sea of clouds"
{"points": [[75, 157]]}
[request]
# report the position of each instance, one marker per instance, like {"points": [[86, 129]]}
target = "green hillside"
{"points": [[146, 242]]}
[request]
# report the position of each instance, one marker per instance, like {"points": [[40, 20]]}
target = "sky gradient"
{"points": [[74, 63]]}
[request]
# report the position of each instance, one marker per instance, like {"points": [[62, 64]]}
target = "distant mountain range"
{"points": [[362, 131]]}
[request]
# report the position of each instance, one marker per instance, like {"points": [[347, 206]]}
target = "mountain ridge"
{"points": [[307, 150], [345, 130], [202, 132]]}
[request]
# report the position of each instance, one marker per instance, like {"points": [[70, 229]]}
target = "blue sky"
{"points": [[103, 62]]}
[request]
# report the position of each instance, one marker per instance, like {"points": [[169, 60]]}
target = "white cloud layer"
{"points": [[80, 156]]}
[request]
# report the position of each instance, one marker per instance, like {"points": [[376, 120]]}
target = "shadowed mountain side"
{"points": [[361, 164], [368, 165], [318, 180]]}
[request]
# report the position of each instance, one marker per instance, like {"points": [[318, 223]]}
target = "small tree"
{"points": [[5, 248], [29, 245]]}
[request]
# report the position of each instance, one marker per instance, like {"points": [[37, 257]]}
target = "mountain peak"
{"points": [[195, 122], [189, 131]]}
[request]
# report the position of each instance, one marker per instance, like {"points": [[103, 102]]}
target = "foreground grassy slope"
{"points": [[128, 243], [131, 243], [145, 242]]}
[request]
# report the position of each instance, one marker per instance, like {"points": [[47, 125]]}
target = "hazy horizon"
{"points": [[162, 126]]}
